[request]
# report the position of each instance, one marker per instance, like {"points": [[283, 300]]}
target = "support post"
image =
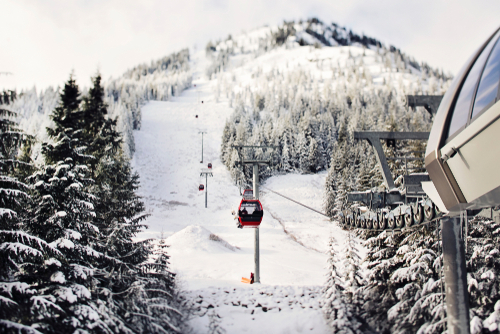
{"points": [[202, 132], [207, 172], [455, 276], [256, 196], [382, 162], [255, 164], [374, 138]]}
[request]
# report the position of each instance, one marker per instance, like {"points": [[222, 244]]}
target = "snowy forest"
{"points": [[70, 210], [68, 259]]}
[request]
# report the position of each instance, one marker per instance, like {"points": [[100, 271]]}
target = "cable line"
{"points": [[288, 198]]}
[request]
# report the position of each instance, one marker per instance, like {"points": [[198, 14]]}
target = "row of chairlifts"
{"points": [[202, 187], [250, 211]]}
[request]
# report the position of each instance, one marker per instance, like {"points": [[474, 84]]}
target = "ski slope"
{"points": [[208, 253]]}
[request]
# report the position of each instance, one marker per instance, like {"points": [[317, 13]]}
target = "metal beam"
{"points": [[376, 199], [374, 138], [250, 146], [253, 162], [455, 276], [256, 241], [429, 102], [391, 135]]}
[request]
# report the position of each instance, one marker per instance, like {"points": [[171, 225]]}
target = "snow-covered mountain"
{"points": [[251, 89]]}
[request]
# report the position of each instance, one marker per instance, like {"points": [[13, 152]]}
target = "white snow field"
{"points": [[208, 253]]}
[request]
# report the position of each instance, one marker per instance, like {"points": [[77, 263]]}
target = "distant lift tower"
{"points": [[255, 164], [207, 172], [202, 132]]}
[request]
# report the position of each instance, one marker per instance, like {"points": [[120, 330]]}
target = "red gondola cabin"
{"points": [[210, 165], [250, 213], [248, 194], [201, 187]]}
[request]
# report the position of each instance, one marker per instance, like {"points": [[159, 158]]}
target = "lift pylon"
{"points": [[255, 164]]}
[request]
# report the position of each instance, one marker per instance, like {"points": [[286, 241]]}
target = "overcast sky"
{"points": [[42, 41]]}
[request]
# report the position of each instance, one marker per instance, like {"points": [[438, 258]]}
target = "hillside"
{"points": [[257, 93]]}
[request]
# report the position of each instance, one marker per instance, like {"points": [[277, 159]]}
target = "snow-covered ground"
{"points": [[209, 254]]}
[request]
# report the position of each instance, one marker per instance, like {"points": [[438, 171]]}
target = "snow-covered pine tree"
{"points": [[313, 156], [228, 136], [483, 267], [94, 116], [417, 284], [403, 290], [352, 271], [338, 314], [62, 214], [331, 189], [66, 133], [140, 292], [17, 247], [364, 178]]}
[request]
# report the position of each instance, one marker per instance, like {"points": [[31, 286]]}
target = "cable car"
{"points": [[210, 165], [248, 194], [196, 116], [201, 187], [250, 213], [463, 154]]}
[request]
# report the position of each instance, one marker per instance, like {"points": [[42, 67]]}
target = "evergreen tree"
{"points": [[313, 156], [403, 291], [94, 109], [483, 268], [352, 271], [66, 134], [17, 248], [62, 214], [331, 189], [141, 293], [338, 314]]}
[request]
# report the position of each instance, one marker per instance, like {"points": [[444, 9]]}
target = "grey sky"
{"points": [[43, 40]]}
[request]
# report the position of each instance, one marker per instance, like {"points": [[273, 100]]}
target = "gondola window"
{"points": [[487, 90], [463, 103]]}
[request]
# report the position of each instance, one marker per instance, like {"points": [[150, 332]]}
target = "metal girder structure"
{"points": [[374, 137], [429, 102], [375, 200], [243, 162]]}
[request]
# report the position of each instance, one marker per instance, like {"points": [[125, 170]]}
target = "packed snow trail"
{"points": [[208, 253]]}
